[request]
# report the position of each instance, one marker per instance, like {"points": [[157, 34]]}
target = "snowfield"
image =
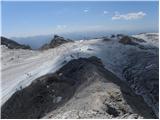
{"points": [[21, 67]]}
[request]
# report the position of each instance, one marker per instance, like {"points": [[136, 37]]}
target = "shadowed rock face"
{"points": [[12, 44], [142, 74], [82, 88], [56, 41]]}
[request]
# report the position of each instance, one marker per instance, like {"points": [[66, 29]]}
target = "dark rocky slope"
{"points": [[142, 75], [141, 71], [82, 88], [12, 44]]}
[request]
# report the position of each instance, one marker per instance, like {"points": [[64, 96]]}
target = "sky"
{"points": [[21, 19]]}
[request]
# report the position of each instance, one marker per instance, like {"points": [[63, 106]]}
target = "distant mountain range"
{"points": [[54, 42], [41, 41], [37, 41]]}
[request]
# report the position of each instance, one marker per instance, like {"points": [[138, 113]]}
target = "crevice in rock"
{"points": [[112, 111]]}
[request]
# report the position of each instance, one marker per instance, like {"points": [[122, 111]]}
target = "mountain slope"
{"points": [[88, 90], [129, 62], [12, 44]]}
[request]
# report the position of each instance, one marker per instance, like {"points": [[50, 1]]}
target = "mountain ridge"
{"points": [[12, 44]]}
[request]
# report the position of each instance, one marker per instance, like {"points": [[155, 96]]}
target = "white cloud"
{"points": [[105, 12], [85, 10], [129, 16], [61, 27]]}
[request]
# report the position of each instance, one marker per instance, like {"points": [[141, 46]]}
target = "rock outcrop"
{"points": [[56, 41], [127, 40]]}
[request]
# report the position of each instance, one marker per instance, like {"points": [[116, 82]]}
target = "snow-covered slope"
{"points": [[21, 71], [21, 67], [150, 38]]}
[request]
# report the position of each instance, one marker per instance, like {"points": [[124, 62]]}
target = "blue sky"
{"points": [[39, 18]]}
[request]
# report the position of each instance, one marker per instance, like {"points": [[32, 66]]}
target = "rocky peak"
{"points": [[56, 41]]}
